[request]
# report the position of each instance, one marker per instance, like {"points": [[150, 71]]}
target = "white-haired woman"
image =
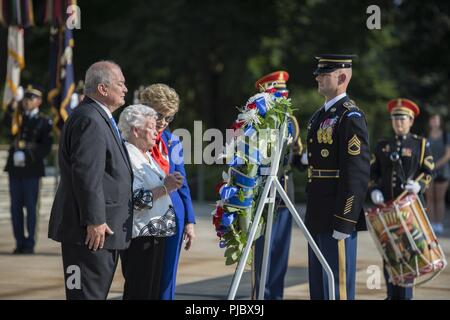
{"points": [[165, 101], [154, 216]]}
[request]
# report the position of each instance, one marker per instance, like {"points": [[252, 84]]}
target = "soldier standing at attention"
{"points": [[338, 176], [31, 142]]}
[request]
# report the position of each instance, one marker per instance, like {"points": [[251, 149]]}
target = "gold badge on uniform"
{"points": [[348, 104], [319, 135], [324, 153], [406, 152], [387, 148], [325, 131], [21, 144], [354, 146]]}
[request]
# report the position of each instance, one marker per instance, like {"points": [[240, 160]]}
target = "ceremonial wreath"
{"points": [[248, 155]]}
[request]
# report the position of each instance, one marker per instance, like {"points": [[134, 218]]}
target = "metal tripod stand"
{"points": [[271, 188]]}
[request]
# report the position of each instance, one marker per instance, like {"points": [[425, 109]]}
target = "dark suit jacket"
{"points": [[96, 180]]}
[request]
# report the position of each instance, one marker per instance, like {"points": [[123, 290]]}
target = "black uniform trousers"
{"points": [[88, 274], [24, 193], [142, 265]]}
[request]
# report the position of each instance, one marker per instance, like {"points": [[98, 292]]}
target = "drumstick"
{"points": [[405, 192]]}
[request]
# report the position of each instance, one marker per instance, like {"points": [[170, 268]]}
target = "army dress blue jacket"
{"points": [[398, 159], [338, 169], [33, 136]]}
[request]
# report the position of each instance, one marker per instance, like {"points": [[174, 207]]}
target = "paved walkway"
{"points": [[202, 271]]}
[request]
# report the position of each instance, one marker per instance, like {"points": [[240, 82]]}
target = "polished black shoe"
{"points": [[18, 251], [28, 251]]}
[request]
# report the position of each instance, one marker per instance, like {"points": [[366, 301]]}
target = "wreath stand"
{"points": [[272, 186]]}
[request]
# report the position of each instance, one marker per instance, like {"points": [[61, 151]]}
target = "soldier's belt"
{"points": [[319, 173], [21, 144]]}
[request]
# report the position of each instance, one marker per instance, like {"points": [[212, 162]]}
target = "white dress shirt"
{"points": [[330, 103], [108, 112]]}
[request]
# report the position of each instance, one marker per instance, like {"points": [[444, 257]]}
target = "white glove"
{"points": [[339, 235], [304, 159], [74, 100], [19, 94], [412, 186], [377, 196], [19, 159]]}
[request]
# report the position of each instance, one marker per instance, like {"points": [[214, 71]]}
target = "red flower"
{"points": [[217, 218], [218, 186], [237, 125], [251, 105]]}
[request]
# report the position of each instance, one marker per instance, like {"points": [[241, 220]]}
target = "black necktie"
{"points": [[321, 112]]}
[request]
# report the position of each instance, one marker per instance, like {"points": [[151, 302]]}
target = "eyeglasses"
{"points": [[168, 119]]}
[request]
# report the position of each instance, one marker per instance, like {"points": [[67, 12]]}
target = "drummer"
{"points": [[397, 162]]}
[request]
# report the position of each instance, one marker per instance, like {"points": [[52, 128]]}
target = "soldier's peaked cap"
{"points": [[329, 62], [278, 79], [33, 91], [403, 106]]}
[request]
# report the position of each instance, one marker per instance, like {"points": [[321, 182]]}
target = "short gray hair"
{"points": [[134, 116], [98, 73]]}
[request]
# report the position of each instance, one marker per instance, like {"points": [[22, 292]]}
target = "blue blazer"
{"points": [[184, 213]]}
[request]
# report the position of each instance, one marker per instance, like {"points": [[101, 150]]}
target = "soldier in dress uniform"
{"points": [[397, 161], [31, 141], [275, 83], [338, 162]]}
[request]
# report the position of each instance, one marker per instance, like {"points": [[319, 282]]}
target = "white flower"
{"points": [[250, 116]]}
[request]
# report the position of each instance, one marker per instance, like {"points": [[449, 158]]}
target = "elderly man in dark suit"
{"points": [[92, 212]]}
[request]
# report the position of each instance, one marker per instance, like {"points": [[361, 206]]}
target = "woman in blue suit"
{"points": [[168, 153]]}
